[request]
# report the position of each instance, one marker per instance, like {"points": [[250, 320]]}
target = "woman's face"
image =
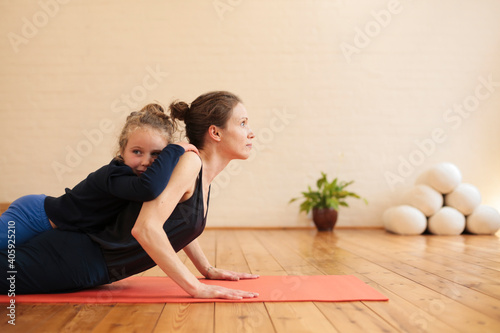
{"points": [[236, 137]]}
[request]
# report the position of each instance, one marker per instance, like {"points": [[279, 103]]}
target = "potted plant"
{"points": [[325, 201]]}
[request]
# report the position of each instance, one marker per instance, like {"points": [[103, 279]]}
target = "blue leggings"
{"points": [[24, 219], [54, 261]]}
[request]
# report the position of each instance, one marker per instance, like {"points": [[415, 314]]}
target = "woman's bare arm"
{"points": [[148, 230]]}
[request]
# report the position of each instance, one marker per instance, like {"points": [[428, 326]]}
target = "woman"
{"points": [[217, 124]]}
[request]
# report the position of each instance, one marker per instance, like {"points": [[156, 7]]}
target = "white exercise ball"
{"points": [[484, 220], [424, 198], [447, 221], [443, 177], [404, 220], [464, 198]]}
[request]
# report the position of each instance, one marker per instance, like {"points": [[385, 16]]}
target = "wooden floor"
{"points": [[435, 284]]}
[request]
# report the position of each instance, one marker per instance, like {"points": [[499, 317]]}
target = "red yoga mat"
{"points": [[140, 289]]}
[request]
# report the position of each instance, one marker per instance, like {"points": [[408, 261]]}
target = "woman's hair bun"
{"points": [[178, 110]]}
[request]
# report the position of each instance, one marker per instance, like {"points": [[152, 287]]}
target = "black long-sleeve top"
{"points": [[99, 198]]}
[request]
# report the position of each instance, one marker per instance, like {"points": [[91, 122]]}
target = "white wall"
{"points": [[352, 88]]}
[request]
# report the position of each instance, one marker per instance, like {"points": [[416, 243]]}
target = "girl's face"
{"points": [[143, 147], [237, 137]]}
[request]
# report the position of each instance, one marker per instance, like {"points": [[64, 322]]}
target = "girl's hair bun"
{"points": [[178, 110], [156, 110], [152, 109]]}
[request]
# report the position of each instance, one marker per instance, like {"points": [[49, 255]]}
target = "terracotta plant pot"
{"points": [[324, 218]]}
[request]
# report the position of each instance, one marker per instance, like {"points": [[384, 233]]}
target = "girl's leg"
{"points": [[52, 262], [24, 219]]}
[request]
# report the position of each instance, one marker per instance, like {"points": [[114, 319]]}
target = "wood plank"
{"points": [[237, 317], [354, 317], [436, 303], [397, 312], [228, 252], [298, 317], [322, 252], [178, 317], [281, 247], [242, 317], [471, 290], [66, 319], [130, 318], [87, 317], [259, 259], [291, 316], [186, 317], [483, 246], [286, 317], [465, 258], [31, 316], [451, 247]]}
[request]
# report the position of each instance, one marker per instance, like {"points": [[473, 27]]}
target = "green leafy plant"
{"points": [[328, 195]]}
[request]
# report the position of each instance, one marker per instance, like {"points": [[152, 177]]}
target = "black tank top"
{"points": [[124, 256]]}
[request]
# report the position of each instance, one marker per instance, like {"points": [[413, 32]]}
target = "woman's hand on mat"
{"points": [[223, 274], [209, 291]]}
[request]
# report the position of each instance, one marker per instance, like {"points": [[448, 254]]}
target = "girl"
{"points": [[104, 193], [145, 234]]}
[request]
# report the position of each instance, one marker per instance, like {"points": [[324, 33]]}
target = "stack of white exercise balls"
{"points": [[440, 203]]}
